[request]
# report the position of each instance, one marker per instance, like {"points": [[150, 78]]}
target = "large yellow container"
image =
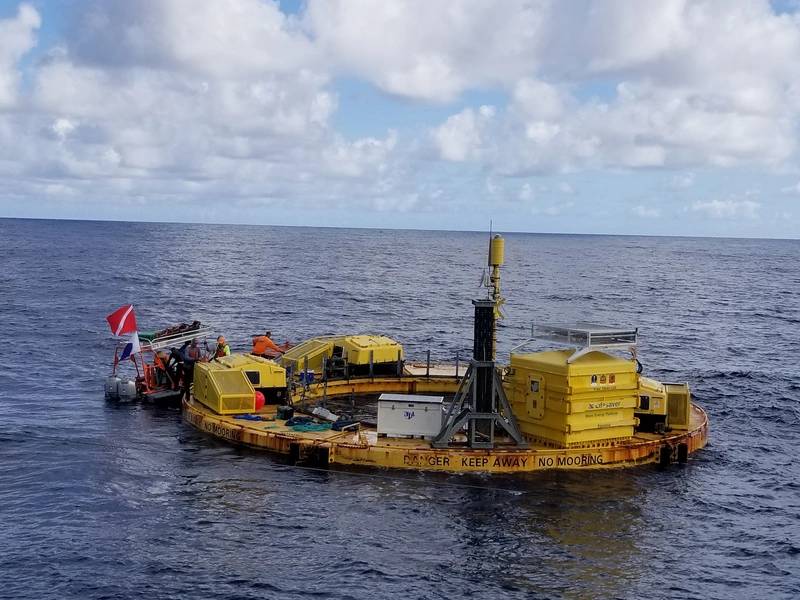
{"points": [[225, 391], [589, 402], [652, 397], [679, 405], [261, 372], [357, 349], [315, 350], [353, 349], [228, 385]]}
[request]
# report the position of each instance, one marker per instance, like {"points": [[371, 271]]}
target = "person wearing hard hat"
{"points": [[222, 348]]}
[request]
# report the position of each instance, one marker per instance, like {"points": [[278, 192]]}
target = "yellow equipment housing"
{"points": [[260, 371], [652, 409], [357, 349], [354, 350], [589, 402], [652, 397], [667, 403], [315, 350], [228, 385], [679, 399]]}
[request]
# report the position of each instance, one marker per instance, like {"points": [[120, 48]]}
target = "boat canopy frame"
{"points": [[176, 339]]}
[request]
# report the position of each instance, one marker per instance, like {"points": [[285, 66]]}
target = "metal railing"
{"points": [[175, 339]]}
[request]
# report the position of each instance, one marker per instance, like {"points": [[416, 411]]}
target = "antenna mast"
{"points": [[481, 405]]}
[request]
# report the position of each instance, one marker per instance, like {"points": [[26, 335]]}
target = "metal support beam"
{"points": [[481, 426], [399, 363]]}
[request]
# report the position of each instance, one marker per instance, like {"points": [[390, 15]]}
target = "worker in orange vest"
{"points": [[262, 343]]}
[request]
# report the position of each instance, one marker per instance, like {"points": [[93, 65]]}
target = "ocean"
{"points": [[101, 500]]}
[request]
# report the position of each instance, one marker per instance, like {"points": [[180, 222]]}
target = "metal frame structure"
{"points": [[175, 339], [463, 411], [587, 337]]}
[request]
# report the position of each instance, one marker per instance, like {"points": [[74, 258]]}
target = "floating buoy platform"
{"points": [[578, 406]]}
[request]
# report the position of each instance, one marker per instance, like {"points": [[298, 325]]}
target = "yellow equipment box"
{"points": [[652, 397], [315, 350], [352, 350], [228, 385], [261, 372], [652, 409], [584, 403], [223, 390], [678, 404], [357, 349]]}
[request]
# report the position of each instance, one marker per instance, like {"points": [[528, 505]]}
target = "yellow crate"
{"points": [[655, 396], [590, 400], [315, 350], [357, 348], [262, 372], [225, 391], [678, 402]]}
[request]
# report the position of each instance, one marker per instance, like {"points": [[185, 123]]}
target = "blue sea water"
{"points": [[99, 500]]}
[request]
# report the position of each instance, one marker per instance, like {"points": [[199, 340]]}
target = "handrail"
{"points": [[176, 339]]}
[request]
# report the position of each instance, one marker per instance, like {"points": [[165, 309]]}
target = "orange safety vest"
{"points": [[262, 343]]}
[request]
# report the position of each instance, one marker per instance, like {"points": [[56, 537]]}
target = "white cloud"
{"points": [[17, 36], [429, 50], [231, 39], [461, 138], [689, 92], [353, 159], [180, 99], [727, 209]]}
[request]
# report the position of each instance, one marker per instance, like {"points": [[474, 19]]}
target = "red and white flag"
{"points": [[122, 320]]}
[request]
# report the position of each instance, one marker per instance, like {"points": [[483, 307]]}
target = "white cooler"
{"points": [[409, 415]]}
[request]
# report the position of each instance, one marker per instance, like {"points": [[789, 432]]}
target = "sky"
{"points": [[674, 117]]}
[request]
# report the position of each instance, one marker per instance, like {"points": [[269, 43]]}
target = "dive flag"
{"points": [[122, 320], [131, 347]]}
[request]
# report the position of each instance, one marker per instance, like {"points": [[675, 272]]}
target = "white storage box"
{"points": [[409, 415]]}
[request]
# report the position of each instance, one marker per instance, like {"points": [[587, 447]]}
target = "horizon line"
{"points": [[390, 228]]}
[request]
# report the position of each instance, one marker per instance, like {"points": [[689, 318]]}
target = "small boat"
{"points": [[148, 375]]}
